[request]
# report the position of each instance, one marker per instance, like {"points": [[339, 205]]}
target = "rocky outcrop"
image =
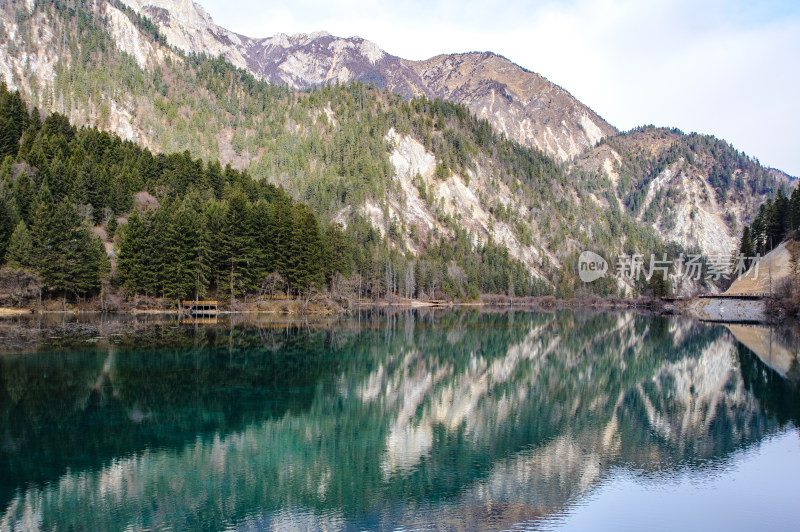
{"points": [[32, 51], [28, 56], [421, 203], [695, 190], [128, 39]]}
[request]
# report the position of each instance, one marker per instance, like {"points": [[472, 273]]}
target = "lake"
{"points": [[398, 421]]}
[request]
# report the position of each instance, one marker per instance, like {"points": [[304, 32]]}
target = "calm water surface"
{"points": [[413, 421]]}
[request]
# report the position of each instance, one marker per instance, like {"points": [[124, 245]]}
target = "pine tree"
{"points": [[8, 216], [281, 237], [757, 230], [657, 285], [337, 253], [35, 120], [25, 195], [60, 254], [305, 267], [40, 230], [238, 246], [20, 249], [215, 213], [130, 256], [156, 261], [261, 227], [86, 262], [746, 246], [214, 178], [45, 197], [13, 118], [187, 270], [200, 260], [794, 209], [111, 226], [782, 215]]}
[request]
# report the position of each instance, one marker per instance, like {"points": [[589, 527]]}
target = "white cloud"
{"points": [[725, 68]]}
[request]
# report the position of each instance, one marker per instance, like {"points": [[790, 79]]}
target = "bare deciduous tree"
{"points": [[18, 286], [271, 284]]}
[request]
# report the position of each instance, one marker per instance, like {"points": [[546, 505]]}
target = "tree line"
{"points": [[177, 227], [776, 218]]}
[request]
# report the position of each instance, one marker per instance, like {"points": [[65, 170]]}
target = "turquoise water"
{"points": [[410, 421]]}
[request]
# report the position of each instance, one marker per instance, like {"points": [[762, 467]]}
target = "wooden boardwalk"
{"points": [[201, 308], [741, 296]]}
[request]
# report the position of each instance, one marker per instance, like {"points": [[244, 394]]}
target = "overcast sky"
{"points": [[729, 68]]}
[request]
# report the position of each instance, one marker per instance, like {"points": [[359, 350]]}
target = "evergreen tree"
{"points": [[337, 252], [214, 178], [261, 226], [157, 262], [238, 246], [281, 229], [794, 209], [45, 197], [130, 258], [40, 230], [20, 249], [86, 263], [215, 213], [7, 223], [305, 266], [111, 226], [757, 230], [25, 196], [13, 118], [658, 286], [746, 248], [782, 216], [60, 254], [187, 270]]}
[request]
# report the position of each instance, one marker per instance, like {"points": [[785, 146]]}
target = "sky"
{"points": [[728, 68]]}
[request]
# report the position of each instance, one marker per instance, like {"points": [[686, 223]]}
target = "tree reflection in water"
{"points": [[473, 420]]}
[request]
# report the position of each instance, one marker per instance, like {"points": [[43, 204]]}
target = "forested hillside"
{"points": [[184, 228], [696, 190], [428, 198], [776, 219]]}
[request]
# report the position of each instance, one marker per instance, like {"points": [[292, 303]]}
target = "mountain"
{"points": [[523, 105], [422, 173], [694, 189]]}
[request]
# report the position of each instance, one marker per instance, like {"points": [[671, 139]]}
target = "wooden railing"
{"points": [[199, 303]]}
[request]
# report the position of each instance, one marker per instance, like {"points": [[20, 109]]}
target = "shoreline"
{"points": [[295, 306], [715, 311]]}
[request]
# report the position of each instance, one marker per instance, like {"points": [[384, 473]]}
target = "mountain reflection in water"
{"points": [[464, 420]]}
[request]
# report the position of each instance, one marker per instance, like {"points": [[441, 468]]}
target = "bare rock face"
{"points": [[187, 26], [462, 197], [523, 105]]}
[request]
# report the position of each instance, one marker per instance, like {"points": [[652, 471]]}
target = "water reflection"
{"points": [[464, 420]]}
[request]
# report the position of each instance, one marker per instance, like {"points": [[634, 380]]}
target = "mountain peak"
{"points": [[183, 12], [519, 103]]}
